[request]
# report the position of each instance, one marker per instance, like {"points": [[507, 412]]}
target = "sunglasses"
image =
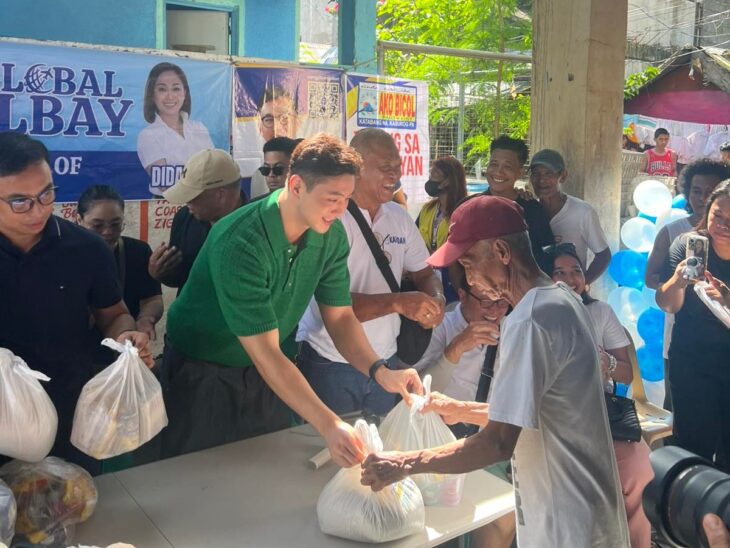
{"points": [[560, 248], [278, 171]]}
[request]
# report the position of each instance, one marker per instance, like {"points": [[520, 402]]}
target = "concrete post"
{"points": [[577, 97]]}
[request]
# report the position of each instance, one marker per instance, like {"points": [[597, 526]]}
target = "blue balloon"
{"points": [[628, 267], [647, 217], [621, 389], [651, 326], [651, 362], [679, 202]]}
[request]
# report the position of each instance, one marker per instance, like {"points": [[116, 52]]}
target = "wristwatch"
{"points": [[377, 365]]}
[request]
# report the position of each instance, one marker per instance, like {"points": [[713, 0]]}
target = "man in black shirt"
{"points": [[210, 188], [507, 156], [53, 274]]}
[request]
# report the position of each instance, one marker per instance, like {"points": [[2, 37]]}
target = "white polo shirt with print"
{"points": [[403, 245]]}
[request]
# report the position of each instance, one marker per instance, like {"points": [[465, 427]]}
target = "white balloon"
{"points": [[670, 216], [649, 296], [638, 234], [633, 330], [652, 198], [627, 303]]}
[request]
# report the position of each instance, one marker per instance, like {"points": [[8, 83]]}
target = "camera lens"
{"points": [[685, 488]]}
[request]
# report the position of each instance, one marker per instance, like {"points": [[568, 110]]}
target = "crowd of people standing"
{"points": [[285, 312]]}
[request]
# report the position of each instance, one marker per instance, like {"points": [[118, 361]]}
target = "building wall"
{"points": [[263, 29], [110, 22], [271, 29], [716, 29]]}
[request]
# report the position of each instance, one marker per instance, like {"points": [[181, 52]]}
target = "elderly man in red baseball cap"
{"points": [[546, 406]]}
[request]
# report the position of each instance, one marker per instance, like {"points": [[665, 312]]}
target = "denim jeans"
{"points": [[343, 388]]}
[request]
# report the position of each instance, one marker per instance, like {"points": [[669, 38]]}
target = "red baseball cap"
{"points": [[480, 218]]}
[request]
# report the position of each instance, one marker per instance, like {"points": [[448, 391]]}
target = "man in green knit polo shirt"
{"points": [[225, 375]]}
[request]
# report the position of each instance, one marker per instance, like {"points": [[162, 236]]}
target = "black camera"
{"points": [[685, 488]]}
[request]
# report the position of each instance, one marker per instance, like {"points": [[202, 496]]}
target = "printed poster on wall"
{"points": [[125, 119], [281, 101], [399, 107]]}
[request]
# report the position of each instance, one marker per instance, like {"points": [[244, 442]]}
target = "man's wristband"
{"points": [[612, 364], [377, 365]]}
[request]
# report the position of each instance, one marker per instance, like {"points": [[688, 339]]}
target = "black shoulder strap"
{"points": [[380, 259], [121, 264], [485, 379]]}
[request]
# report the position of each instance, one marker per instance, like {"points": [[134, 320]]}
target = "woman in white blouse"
{"points": [[171, 137]]}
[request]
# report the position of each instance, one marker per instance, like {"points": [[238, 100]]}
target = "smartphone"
{"points": [[696, 254]]}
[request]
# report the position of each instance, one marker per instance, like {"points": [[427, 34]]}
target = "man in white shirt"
{"points": [[455, 356], [546, 408], [571, 219], [340, 386]]}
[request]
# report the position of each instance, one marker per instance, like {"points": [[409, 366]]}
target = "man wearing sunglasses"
{"points": [[277, 157], [53, 273]]}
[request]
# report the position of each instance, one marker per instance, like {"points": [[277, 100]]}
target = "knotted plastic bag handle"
{"points": [[17, 363], [122, 348]]}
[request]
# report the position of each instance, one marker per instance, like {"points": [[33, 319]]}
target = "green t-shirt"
{"points": [[248, 279]]}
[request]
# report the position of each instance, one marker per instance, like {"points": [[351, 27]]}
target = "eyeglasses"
{"points": [[488, 303], [277, 170], [114, 226], [25, 203], [283, 119]]}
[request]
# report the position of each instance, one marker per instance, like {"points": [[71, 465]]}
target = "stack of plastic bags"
{"points": [[7, 514], [121, 408], [350, 510], [28, 419], [407, 429], [51, 496]]}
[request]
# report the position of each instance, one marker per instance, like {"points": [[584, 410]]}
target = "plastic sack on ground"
{"points": [[407, 429], [7, 514], [28, 419], [52, 496], [119, 409], [350, 510]]}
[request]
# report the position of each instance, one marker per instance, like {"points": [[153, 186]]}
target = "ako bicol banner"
{"points": [[399, 107], [124, 119]]}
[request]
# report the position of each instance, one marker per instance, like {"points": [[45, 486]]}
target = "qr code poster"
{"points": [[281, 101]]}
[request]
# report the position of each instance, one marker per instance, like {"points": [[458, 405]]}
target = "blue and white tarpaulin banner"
{"points": [[399, 107], [281, 101], [125, 119]]}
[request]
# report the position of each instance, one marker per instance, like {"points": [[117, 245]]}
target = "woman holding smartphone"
{"points": [[699, 354]]}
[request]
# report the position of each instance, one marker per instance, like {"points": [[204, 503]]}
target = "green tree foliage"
{"points": [[487, 25], [635, 81]]}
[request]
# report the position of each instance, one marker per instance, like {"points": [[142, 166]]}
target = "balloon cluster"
{"points": [[633, 302]]}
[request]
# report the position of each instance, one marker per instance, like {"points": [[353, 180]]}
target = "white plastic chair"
{"points": [[656, 422]]}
